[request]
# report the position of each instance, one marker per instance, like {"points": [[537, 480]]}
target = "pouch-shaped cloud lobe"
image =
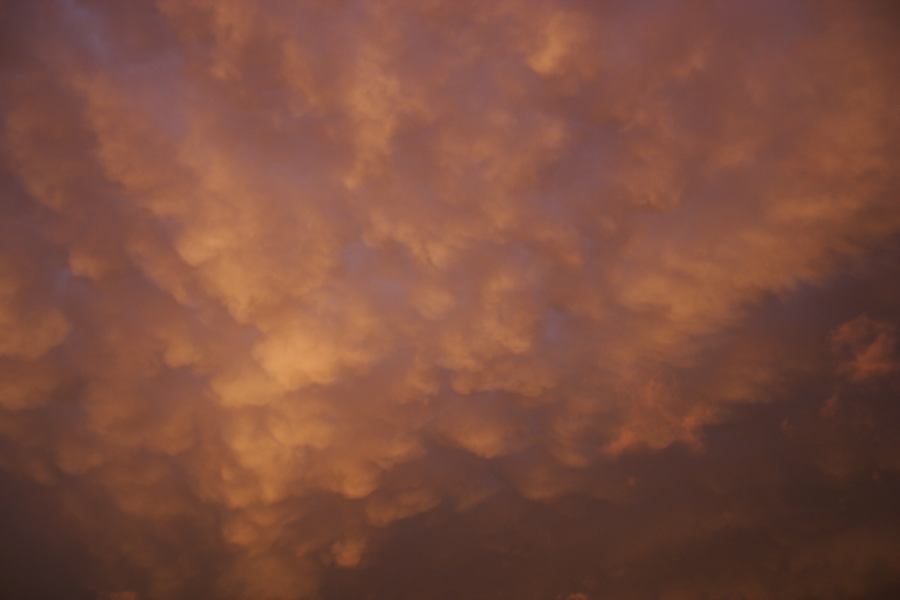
{"points": [[519, 299]]}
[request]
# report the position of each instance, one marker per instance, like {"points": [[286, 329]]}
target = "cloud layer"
{"points": [[446, 299]]}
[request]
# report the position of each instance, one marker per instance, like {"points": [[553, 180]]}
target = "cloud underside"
{"points": [[450, 299]]}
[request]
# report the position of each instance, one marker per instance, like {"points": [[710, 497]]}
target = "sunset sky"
{"points": [[449, 299]]}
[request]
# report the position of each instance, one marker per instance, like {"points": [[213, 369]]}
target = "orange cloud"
{"points": [[278, 280]]}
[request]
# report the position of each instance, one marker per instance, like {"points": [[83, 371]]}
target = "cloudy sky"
{"points": [[445, 299]]}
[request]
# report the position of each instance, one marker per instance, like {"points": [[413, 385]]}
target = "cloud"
{"points": [[280, 282], [867, 348]]}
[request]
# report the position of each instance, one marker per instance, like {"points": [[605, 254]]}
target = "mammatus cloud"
{"points": [[868, 349], [446, 299]]}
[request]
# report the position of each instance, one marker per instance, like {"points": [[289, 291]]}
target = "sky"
{"points": [[432, 299]]}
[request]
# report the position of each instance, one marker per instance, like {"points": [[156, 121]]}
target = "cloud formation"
{"points": [[576, 300]]}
